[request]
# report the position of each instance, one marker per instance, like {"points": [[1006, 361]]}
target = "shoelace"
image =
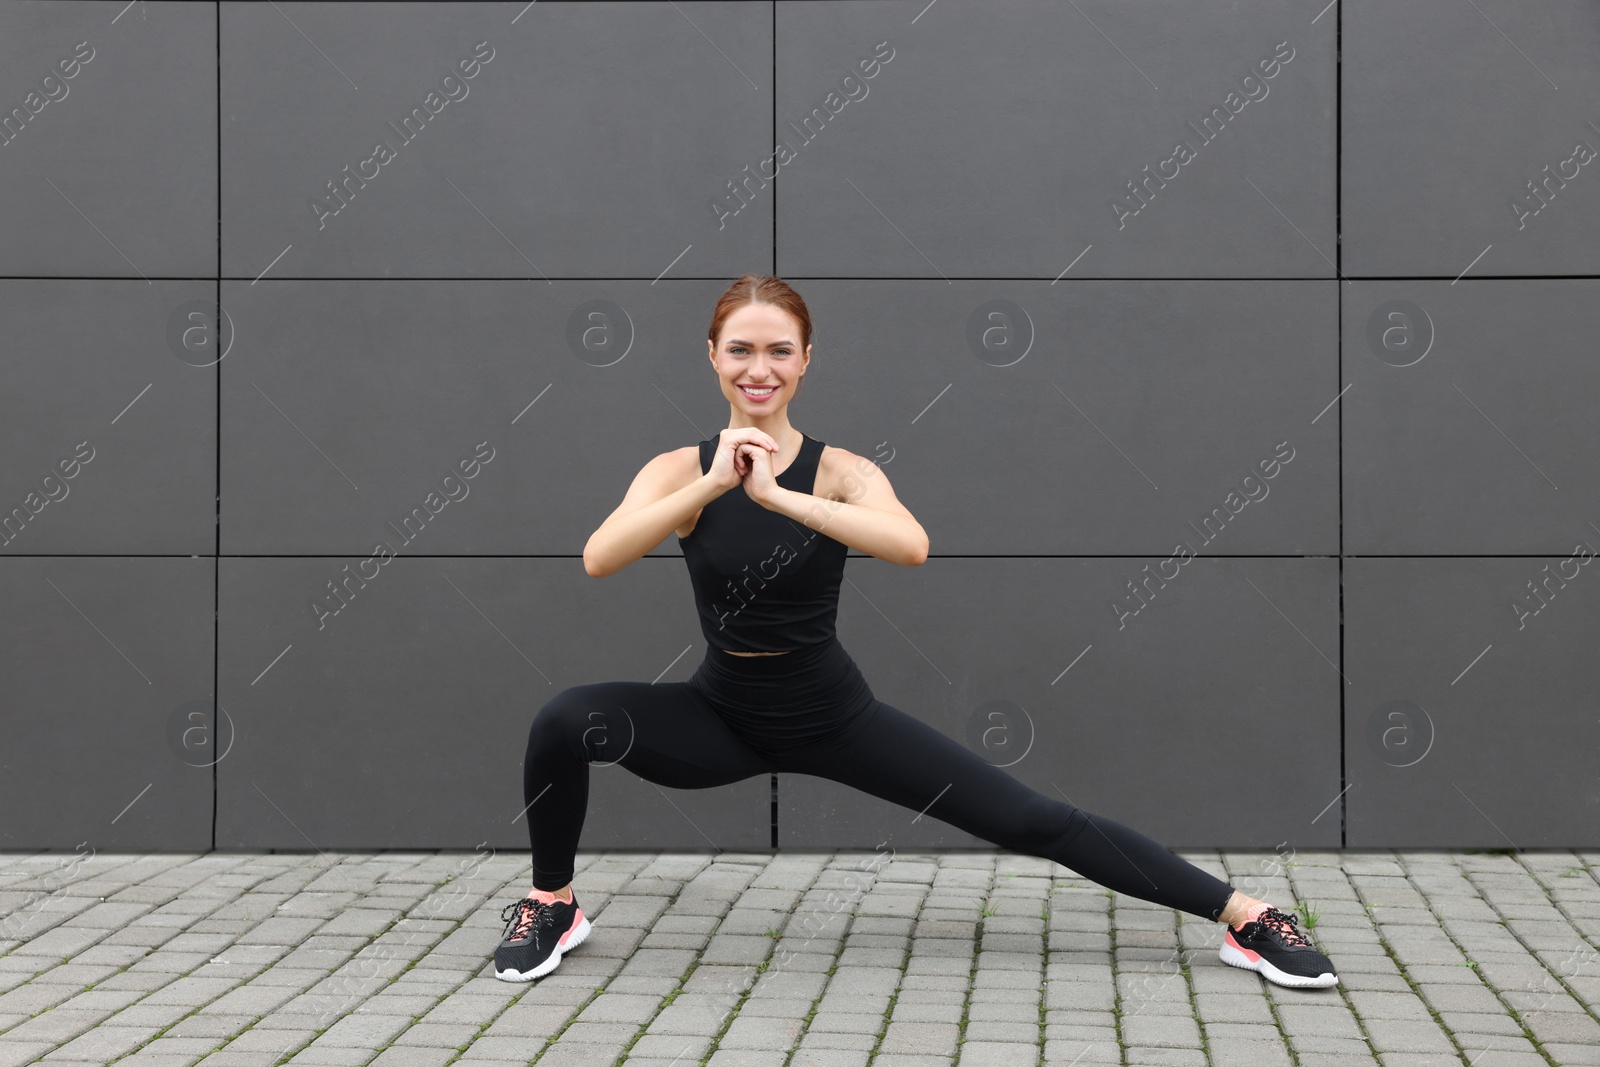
{"points": [[1284, 926], [522, 916]]}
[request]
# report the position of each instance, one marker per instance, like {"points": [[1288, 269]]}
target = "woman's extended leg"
{"points": [[904, 760], [664, 733]]}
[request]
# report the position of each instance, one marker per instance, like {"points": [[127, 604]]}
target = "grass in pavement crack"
{"points": [[762, 969], [894, 997], [972, 971], [1344, 994], [1277, 1020], [1194, 1005], [578, 1009], [1515, 1015], [733, 1013], [1268, 995], [1044, 962], [1577, 927], [283, 1057], [805, 1020], [1272, 995], [1416, 989], [1116, 978]]}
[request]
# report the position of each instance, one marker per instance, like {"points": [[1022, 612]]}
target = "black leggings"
{"points": [[811, 712]]}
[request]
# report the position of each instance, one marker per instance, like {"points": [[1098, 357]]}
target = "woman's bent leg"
{"points": [[907, 762], [664, 733]]}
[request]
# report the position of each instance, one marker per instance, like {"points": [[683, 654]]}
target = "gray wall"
{"points": [[1079, 375]]}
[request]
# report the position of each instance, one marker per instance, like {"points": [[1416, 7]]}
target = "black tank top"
{"points": [[763, 582]]}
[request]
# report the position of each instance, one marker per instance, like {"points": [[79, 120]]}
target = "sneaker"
{"points": [[1275, 947], [537, 934]]}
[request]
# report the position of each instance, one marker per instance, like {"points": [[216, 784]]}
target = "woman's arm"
{"points": [[869, 519], [662, 497]]}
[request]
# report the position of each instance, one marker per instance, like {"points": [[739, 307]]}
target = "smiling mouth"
{"points": [[762, 395]]}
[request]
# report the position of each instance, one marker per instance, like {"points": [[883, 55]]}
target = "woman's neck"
{"points": [[781, 432]]}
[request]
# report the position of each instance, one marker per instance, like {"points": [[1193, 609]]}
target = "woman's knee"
{"points": [[1044, 823], [586, 721]]}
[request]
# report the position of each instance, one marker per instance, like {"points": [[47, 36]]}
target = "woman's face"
{"points": [[759, 346]]}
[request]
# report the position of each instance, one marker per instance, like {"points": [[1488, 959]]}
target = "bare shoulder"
{"points": [[831, 466], [683, 463], [844, 475], [663, 475], [675, 469], [667, 472], [678, 467]]}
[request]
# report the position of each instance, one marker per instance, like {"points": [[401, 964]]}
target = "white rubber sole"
{"points": [[1235, 958], [579, 932]]}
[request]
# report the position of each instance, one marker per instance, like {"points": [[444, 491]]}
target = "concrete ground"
{"points": [[981, 959]]}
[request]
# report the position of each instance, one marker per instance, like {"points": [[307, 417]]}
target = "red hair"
{"points": [[760, 289]]}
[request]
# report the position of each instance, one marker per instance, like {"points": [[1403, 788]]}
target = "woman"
{"points": [[777, 692]]}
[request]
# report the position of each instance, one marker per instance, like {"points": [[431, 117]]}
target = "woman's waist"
{"points": [[787, 706], [811, 674], [766, 662]]}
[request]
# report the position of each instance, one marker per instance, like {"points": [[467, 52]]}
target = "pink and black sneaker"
{"points": [[1272, 945], [537, 934]]}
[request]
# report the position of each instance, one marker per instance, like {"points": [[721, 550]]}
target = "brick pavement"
{"points": [[977, 959]]}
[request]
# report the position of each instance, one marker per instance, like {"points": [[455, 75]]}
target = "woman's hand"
{"points": [[760, 484], [735, 456]]}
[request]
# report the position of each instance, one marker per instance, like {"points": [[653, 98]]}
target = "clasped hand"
{"points": [[754, 465]]}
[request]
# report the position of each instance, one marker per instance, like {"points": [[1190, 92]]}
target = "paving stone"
{"points": [[728, 1057], [1333, 1050], [991, 1054], [562, 1055], [104, 1043], [58, 1026], [1305, 1020], [868, 1020], [1463, 1024], [331, 1055], [438, 1035], [203, 1024], [909, 1060], [191, 991], [15, 1053], [520, 1020], [1404, 1035], [1371, 1005], [1503, 1058], [761, 1033], [812, 1057], [1257, 1052], [413, 1056], [1246, 1032], [260, 1040], [271, 948], [1574, 1055], [170, 1047], [1563, 1027], [253, 999], [825, 1039], [1172, 1031], [1166, 1057], [31, 998]]}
